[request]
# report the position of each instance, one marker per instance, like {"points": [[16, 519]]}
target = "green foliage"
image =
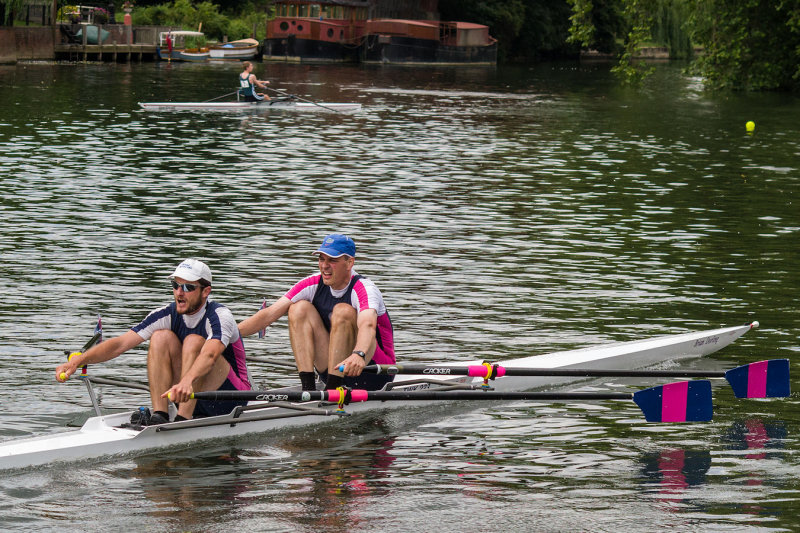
{"points": [[8, 8], [192, 41], [239, 29], [189, 15], [214, 23], [641, 22], [793, 24], [581, 30], [505, 18], [186, 15], [749, 44], [525, 29], [544, 32], [670, 30], [159, 15]]}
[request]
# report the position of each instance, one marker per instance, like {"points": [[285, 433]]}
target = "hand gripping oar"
{"points": [[302, 99], [687, 401], [764, 379], [96, 338]]}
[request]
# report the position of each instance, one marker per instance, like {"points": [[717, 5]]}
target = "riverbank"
{"points": [[139, 43], [67, 42]]}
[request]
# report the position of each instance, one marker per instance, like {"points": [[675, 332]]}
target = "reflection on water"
{"points": [[675, 470], [503, 212]]}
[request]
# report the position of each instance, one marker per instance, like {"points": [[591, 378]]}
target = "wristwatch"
{"points": [[361, 354]]}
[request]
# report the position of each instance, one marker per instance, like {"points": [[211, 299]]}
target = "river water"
{"points": [[503, 212]]}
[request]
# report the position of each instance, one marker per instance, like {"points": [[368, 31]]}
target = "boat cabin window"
{"points": [[317, 11]]}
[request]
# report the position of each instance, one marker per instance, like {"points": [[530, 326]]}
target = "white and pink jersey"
{"points": [[363, 295]]}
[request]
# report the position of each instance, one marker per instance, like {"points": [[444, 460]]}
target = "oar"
{"points": [[303, 99], [764, 379], [686, 401], [270, 361], [97, 337], [219, 97]]}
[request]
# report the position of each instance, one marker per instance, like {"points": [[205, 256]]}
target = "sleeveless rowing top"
{"points": [[247, 89], [324, 302], [216, 322]]}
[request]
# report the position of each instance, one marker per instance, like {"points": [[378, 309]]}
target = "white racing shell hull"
{"points": [[100, 436], [249, 107]]}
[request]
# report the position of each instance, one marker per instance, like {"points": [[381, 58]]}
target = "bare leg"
{"points": [[308, 336], [163, 366], [192, 345], [343, 336]]}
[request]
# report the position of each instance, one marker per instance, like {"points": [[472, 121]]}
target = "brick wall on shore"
{"points": [[8, 46], [34, 43]]}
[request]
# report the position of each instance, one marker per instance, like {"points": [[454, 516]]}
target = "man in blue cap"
{"points": [[335, 317]]}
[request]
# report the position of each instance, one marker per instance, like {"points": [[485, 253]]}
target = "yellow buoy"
{"points": [[750, 126]]}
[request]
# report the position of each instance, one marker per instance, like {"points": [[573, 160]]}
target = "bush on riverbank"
{"points": [[189, 16]]}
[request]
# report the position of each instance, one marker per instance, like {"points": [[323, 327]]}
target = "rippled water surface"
{"points": [[503, 212]]}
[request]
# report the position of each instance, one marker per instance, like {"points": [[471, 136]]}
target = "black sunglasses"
{"points": [[187, 287]]}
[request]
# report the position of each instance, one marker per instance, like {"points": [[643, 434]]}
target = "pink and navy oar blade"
{"points": [[98, 329], [684, 401], [764, 379], [263, 332]]}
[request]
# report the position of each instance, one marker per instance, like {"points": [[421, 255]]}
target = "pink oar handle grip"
{"points": [[356, 395], [480, 371]]}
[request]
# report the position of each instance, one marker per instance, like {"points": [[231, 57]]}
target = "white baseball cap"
{"points": [[192, 270]]}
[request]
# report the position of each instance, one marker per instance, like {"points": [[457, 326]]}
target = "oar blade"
{"points": [[684, 401], [764, 379]]}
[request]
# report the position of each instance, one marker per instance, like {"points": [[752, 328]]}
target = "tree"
{"points": [[525, 29], [746, 44], [8, 9]]}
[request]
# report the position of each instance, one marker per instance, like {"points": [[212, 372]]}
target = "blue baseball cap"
{"points": [[336, 245]]}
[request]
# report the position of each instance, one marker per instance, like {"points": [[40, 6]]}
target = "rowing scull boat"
{"points": [[247, 107], [103, 435]]}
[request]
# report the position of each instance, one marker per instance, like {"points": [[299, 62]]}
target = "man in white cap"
{"points": [[336, 317], [194, 346]]}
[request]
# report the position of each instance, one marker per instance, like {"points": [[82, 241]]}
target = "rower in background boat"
{"points": [[194, 345], [248, 83], [336, 317]]}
